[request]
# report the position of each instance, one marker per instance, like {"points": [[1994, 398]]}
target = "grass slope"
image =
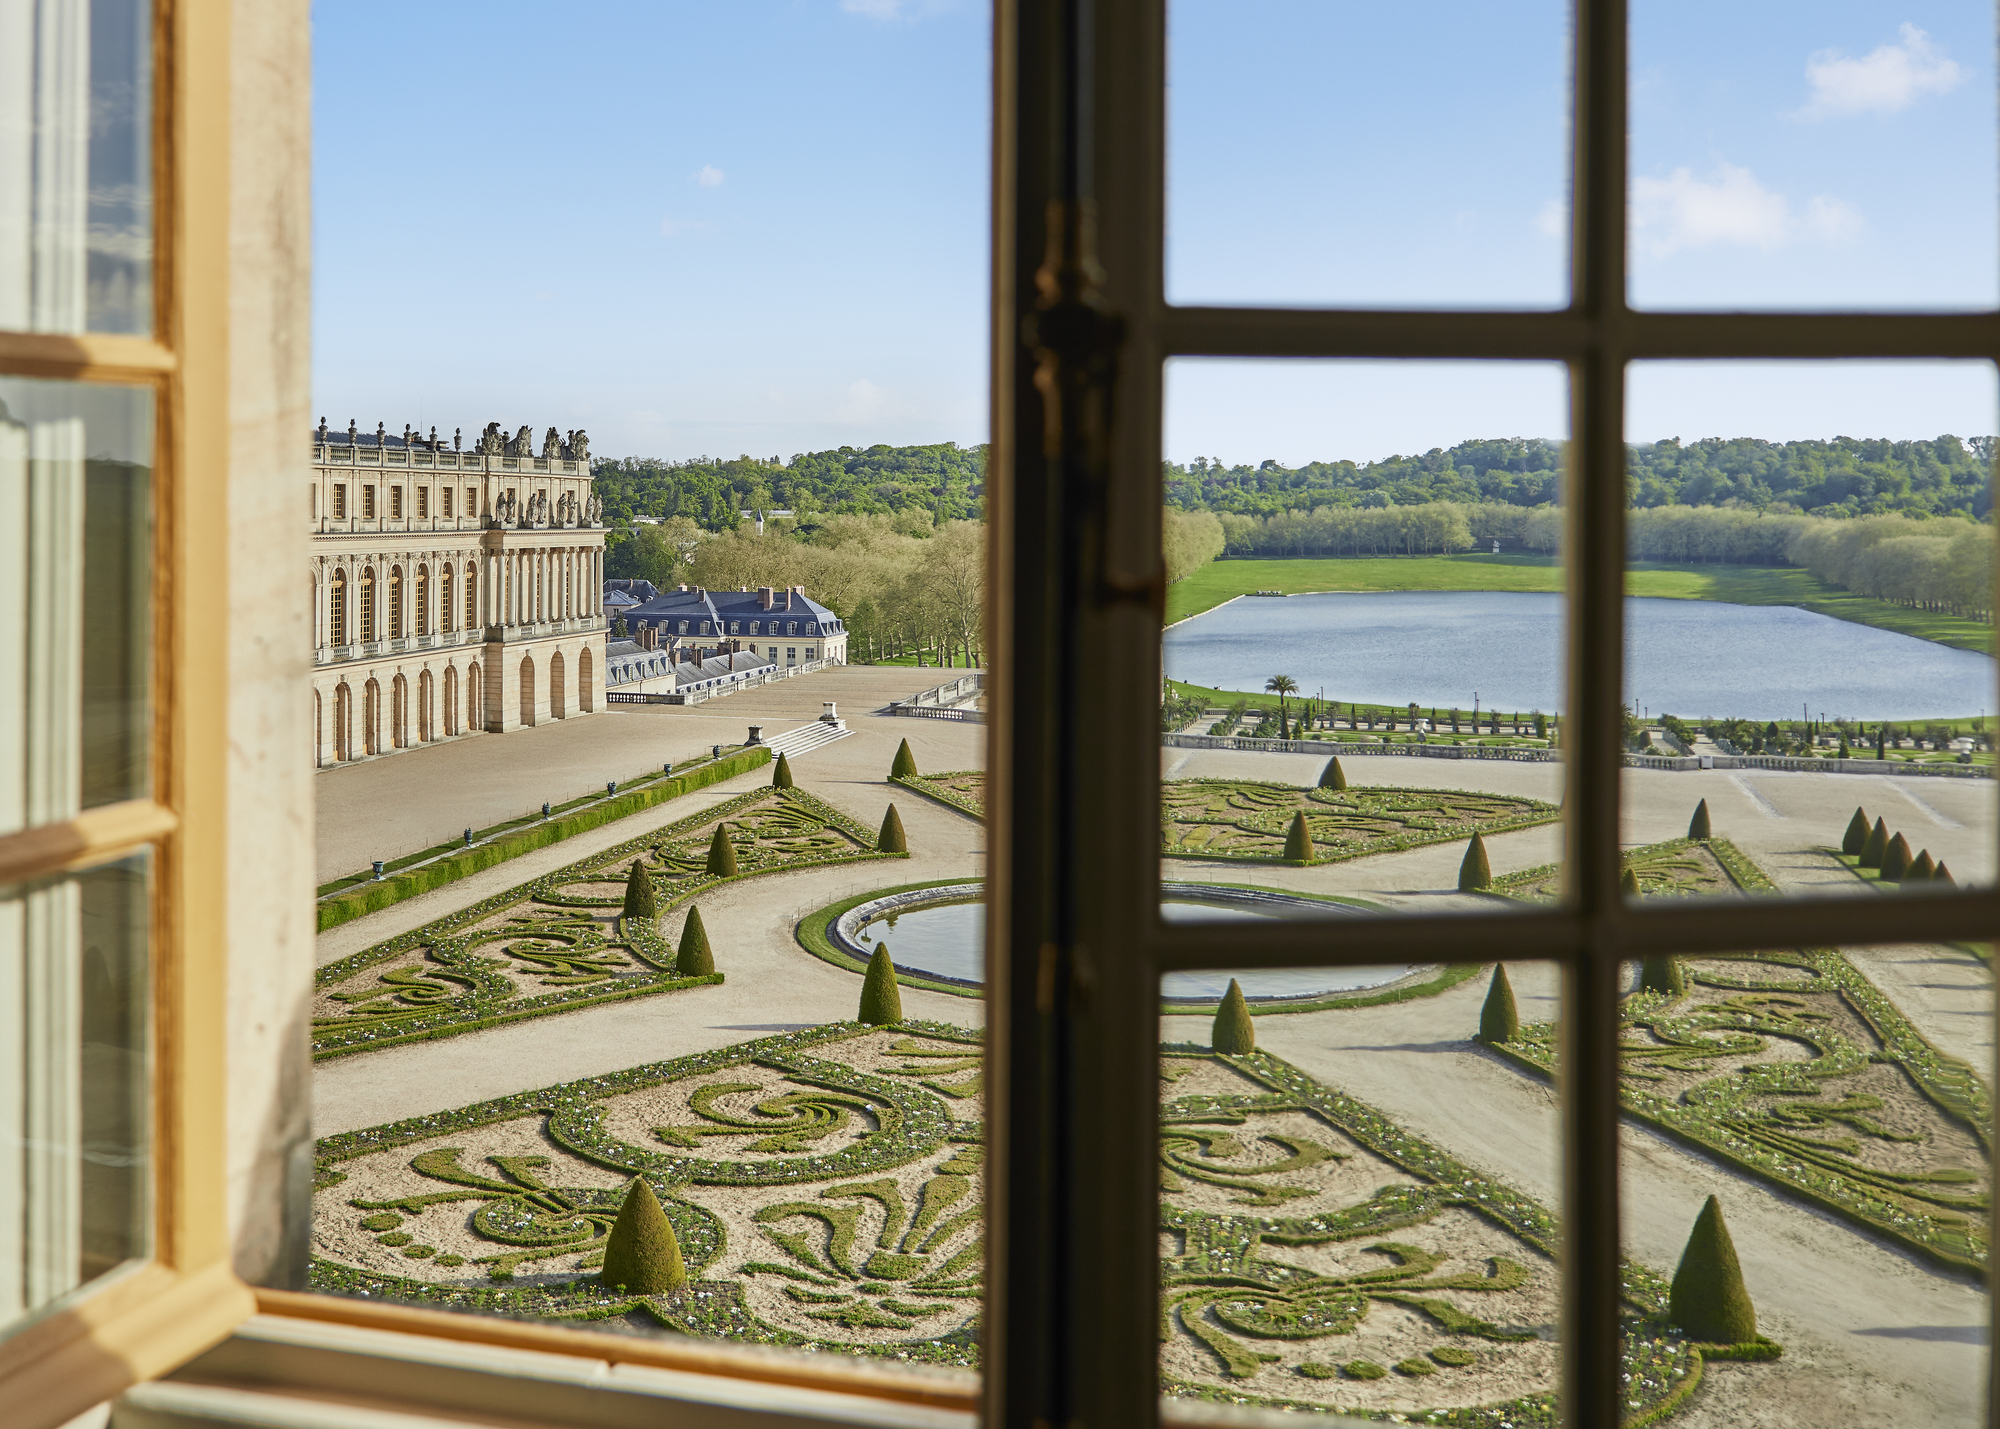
{"points": [[1739, 585]]}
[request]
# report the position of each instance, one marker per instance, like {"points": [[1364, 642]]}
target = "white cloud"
{"points": [[708, 176], [1553, 218], [1888, 78], [1731, 207]]}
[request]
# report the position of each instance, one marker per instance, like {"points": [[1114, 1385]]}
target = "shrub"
{"points": [[639, 901], [1454, 1356], [1698, 827], [1876, 846], [904, 766], [1298, 840], [641, 1256], [1943, 875], [1922, 870], [1896, 860], [1414, 1367], [1708, 1299], [881, 999], [1498, 1021], [781, 773], [892, 838], [1332, 777], [1628, 882], [1475, 871], [695, 958], [721, 854], [1363, 1369], [1662, 974], [1233, 1031], [1856, 837]]}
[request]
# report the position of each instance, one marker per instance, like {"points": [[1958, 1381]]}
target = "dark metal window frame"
{"points": [[1075, 946]]}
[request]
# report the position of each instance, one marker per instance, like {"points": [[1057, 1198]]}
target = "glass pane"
{"points": [[75, 1137], [1809, 626], [76, 175], [1362, 155], [1357, 1204], [1823, 156], [1363, 701], [1807, 1173], [76, 566]]}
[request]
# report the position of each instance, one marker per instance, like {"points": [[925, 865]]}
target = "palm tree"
{"points": [[1282, 685]]}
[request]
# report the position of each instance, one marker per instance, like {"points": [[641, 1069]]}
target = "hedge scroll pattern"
{"points": [[1242, 819], [556, 944], [963, 790]]}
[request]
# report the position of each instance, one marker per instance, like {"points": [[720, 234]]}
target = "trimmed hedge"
{"points": [[1233, 1032], [1698, 826], [374, 896], [1298, 840], [881, 999], [641, 1256], [892, 839], [1475, 870], [1856, 837], [1708, 1299], [1498, 1019], [694, 957]]}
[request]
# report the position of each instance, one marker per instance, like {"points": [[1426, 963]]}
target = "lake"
{"points": [[1693, 658]]}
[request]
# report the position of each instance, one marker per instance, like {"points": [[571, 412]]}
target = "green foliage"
{"points": [[905, 764], [639, 900], [1498, 1019], [1628, 881], [1856, 837], [694, 957], [1363, 1369], [1943, 874], [1896, 860], [1298, 840], [781, 776], [1454, 1356], [881, 999], [1233, 1031], [865, 481], [721, 854], [1922, 870], [892, 839], [1708, 1299], [642, 1256], [1698, 826], [1333, 776], [1662, 974], [1475, 870], [1877, 846]]}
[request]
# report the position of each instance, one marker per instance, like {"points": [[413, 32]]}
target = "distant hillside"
{"points": [[946, 481]]}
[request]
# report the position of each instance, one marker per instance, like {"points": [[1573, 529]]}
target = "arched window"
{"points": [[395, 603], [445, 612], [367, 630], [336, 615], [423, 600], [471, 596]]}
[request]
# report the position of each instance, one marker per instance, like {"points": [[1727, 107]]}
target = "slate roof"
{"points": [[734, 614], [627, 661]]}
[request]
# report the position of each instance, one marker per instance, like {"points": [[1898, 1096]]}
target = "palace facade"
{"points": [[455, 591]]}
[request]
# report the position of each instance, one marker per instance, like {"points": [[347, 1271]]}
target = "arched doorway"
{"points": [[426, 730], [527, 689], [475, 699], [586, 695], [557, 709], [371, 717], [399, 713], [343, 721], [450, 693]]}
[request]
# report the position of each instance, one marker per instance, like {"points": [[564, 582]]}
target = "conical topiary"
{"points": [[1943, 875], [1922, 869], [642, 1255], [1332, 777], [1856, 837], [881, 999], [781, 772], [892, 839], [1698, 827], [1498, 1021], [1628, 882], [1896, 860], [721, 855], [695, 958], [1233, 1031], [1298, 840], [1708, 1299], [904, 765], [1877, 845], [1662, 974], [639, 893], [1475, 871]]}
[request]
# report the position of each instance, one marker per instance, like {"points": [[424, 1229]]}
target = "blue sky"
{"points": [[761, 227]]}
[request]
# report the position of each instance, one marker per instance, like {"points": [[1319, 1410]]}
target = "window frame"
{"points": [[142, 1321]]}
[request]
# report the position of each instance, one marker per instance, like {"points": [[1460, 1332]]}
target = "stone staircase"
{"points": [[807, 737]]}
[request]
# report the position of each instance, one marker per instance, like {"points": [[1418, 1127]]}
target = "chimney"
{"points": [[764, 596], [683, 585]]}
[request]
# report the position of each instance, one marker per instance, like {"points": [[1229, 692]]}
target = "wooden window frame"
{"points": [[137, 1323]]}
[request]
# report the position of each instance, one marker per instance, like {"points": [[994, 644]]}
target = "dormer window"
{"points": [[753, 627], [791, 627], [735, 627], [684, 627], [704, 627], [812, 628]]}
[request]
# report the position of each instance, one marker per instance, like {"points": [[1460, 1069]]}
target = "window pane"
{"points": [[1363, 698], [75, 562], [1357, 1208], [1809, 626], [1807, 1128], [1808, 155], [1367, 155], [75, 1157], [76, 179]]}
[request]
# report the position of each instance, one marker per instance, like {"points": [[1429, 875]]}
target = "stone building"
{"points": [[455, 591], [780, 623]]}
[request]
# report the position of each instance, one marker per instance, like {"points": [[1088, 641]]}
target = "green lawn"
{"points": [[1740, 585]]}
